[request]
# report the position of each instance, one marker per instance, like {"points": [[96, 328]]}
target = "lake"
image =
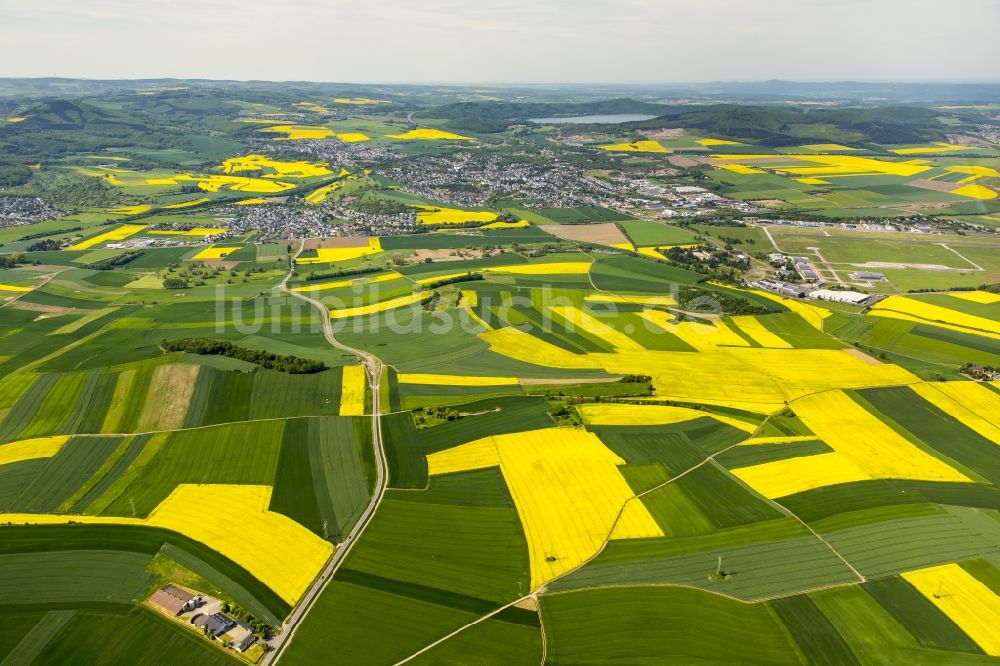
{"points": [[609, 119]]}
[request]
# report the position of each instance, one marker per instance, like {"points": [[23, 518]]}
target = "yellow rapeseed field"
{"points": [[975, 192], [188, 204], [352, 392], [703, 337], [214, 253], [750, 325], [14, 288], [578, 318], [525, 347], [286, 561], [567, 489], [967, 602], [519, 224], [615, 414], [813, 181], [863, 448], [132, 210], [383, 306], [325, 255], [935, 314], [352, 137], [974, 404], [120, 233], [319, 195], [430, 135], [253, 201], [300, 169], [636, 147], [718, 142], [455, 380], [636, 300], [794, 475], [740, 169], [30, 449], [841, 165], [982, 297], [296, 132], [777, 439], [438, 215], [215, 182]]}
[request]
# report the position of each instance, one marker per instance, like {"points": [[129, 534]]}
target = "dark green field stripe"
{"points": [[416, 591], [758, 454], [816, 637], [515, 615], [23, 411]]}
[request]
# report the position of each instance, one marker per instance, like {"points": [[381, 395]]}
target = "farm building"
{"points": [[216, 624], [173, 599], [853, 297]]}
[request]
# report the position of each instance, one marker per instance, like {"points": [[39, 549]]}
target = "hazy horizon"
{"points": [[516, 42]]}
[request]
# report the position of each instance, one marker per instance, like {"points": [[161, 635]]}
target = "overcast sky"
{"points": [[531, 41]]}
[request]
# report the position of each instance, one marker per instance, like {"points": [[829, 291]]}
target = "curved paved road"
{"points": [[373, 368]]}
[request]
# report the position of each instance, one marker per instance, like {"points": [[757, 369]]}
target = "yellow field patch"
{"points": [[525, 347], [578, 318], [636, 147], [750, 325], [31, 449], [813, 181], [320, 194], [16, 119], [300, 169], [14, 288], [831, 165], [214, 253], [352, 137], [132, 210], [567, 489], [253, 201], [863, 448], [297, 132], [436, 215], [554, 268], [718, 142], [975, 192], [325, 255], [635, 300], [616, 414], [188, 204], [359, 100], [519, 224], [215, 183], [383, 306], [120, 233], [936, 315], [427, 134], [352, 392], [973, 403], [967, 602], [739, 168], [455, 380], [703, 337], [286, 561], [794, 475], [779, 439], [982, 297]]}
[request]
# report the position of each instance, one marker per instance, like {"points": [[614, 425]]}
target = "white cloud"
{"points": [[506, 41]]}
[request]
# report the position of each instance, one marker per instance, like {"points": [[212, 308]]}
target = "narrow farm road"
{"points": [[373, 368]]}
